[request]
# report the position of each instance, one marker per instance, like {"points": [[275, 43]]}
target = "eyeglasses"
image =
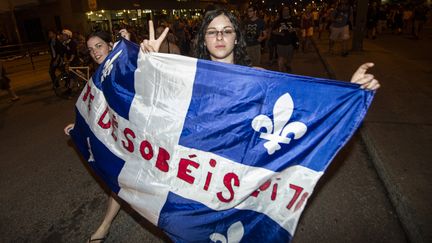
{"points": [[227, 32]]}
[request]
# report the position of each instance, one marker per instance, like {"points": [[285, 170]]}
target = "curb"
{"points": [[329, 70], [405, 213]]}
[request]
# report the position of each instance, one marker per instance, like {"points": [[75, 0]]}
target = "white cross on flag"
{"points": [[212, 152]]}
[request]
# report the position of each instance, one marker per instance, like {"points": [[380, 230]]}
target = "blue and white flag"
{"points": [[212, 152]]}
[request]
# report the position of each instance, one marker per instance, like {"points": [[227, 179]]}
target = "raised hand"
{"points": [[125, 34], [366, 80], [152, 44], [69, 128]]}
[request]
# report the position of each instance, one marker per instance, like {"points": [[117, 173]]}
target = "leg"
{"points": [[344, 48], [52, 70], [345, 40], [334, 33], [111, 212], [289, 58], [281, 60]]}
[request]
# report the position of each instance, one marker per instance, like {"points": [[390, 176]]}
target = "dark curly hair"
{"points": [[240, 54]]}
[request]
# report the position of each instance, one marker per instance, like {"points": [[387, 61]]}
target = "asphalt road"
{"points": [[49, 195]]}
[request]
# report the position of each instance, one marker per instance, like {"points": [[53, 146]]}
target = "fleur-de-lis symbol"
{"points": [[109, 65], [235, 234], [277, 131]]}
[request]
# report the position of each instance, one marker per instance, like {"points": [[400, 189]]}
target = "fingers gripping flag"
{"points": [[212, 152]]}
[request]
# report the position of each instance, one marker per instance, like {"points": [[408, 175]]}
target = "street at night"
{"points": [[377, 189]]}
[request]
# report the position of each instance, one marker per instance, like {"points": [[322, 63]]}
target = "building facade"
{"points": [[29, 20]]}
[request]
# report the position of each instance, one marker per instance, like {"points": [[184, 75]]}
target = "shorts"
{"points": [[339, 33]]}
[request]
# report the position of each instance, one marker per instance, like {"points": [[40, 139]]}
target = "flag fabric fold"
{"points": [[212, 152]]}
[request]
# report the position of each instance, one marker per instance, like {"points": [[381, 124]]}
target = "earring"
{"points": [[235, 42]]}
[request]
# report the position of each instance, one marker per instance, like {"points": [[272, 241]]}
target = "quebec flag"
{"points": [[212, 152]]}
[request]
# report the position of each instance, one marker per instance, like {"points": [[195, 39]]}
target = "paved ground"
{"points": [[397, 130]]}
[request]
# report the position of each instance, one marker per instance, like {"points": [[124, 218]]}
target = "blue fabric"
{"points": [[227, 97], [188, 221], [234, 113]]}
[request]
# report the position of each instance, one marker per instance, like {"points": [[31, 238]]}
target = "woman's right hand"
{"points": [[69, 128], [152, 44], [125, 34]]}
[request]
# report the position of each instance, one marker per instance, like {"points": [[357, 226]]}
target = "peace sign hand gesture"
{"points": [[366, 80], [152, 44]]}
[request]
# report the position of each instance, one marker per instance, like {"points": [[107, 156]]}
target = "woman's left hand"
{"points": [[366, 80], [69, 128], [152, 44]]}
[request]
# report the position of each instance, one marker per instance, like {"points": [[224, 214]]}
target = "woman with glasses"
{"points": [[221, 39], [218, 39]]}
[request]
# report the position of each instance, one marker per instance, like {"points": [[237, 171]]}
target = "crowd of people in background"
{"points": [[280, 33]]}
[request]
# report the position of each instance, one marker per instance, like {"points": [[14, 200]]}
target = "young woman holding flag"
{"points": [[100, 45], [220, 39]]}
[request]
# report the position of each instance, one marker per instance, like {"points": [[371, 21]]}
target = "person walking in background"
{"points": [[306, 26], [382, 19], [372, 21], [255, 34], [271, 41], [397, 17], [286, 39], [5, 83], [323, 21], [420, 18], [168, 44], [407, 15], [71, 53], [56, 51], [339, 28]]}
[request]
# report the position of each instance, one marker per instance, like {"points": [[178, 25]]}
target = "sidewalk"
{"points": [[397, 130]]}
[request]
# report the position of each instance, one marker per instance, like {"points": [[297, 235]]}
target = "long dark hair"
{"points": [[105, 36], [240, 54]]}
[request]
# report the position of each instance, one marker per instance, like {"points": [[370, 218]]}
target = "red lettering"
{"points": [[145, 145], [102, 118], [228, 178], [302, 199], [130, 146], [274, 192], [114, 127], [162, 158], [207, 182], [212, 163], [85, 96], [263, 187], [183, 171], [298, 190], [90, 102]]}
